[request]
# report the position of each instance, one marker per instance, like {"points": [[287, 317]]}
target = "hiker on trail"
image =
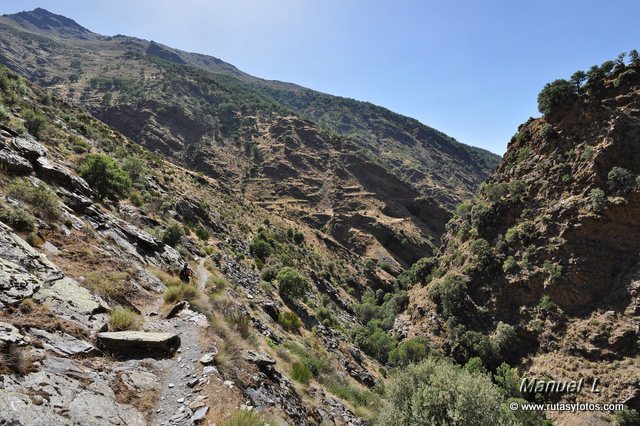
{"points": [[186, 273]]}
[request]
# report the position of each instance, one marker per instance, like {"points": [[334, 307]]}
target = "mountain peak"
{"points": [[42, 20]]}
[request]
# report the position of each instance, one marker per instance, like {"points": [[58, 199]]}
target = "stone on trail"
{"points": [[134, 342]]}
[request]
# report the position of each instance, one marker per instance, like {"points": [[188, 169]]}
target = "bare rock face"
{"points": [[16, 283], [14, 249], [131, 342], [68, 296]]}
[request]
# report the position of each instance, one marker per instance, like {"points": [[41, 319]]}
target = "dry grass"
{"points": [[110, 285], [16, 360], [168, 279], [41, 317], [121, 319], [144, 401], [177, 293]]}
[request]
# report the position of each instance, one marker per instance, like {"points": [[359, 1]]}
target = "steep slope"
{"points": [[80, 257], [543, 262], [189, 98]]}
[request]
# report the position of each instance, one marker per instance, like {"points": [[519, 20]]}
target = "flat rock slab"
{"points": [[62, 343], [68, 297], [138, 342], [16, 250]]}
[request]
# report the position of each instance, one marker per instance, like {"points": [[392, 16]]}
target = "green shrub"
{"points": [[217, 283], [374, 341], [370, 265], [386, 266], [505, 338], [547, 305], [289, 321], [260, 248], [475, 365], [18, 219], [121, 319], [508, 381], [621, 179], [298, 237], [325, 317], [35, 122], [105, 176], [341, 388], [135, 168], [408, 352], [268, 274], [136, 199], [435, 392], [41, 197], [172, 234], [524, 232], [423, 267], [553, 271], [509, 264], [291, 284], [5, 115], [598, 199], [628, 417], [554, 95], [449, 293], [315, 362], [473, 344], [301, 372], [202, 233]]}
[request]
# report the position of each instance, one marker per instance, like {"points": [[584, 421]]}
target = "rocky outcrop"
{"points": [[14, 163], [58, 174], [15, 250], [28, 147]]}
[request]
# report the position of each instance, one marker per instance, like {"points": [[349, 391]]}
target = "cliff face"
{"points": [[550, 244]]}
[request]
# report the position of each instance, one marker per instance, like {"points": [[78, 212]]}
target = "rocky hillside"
{"points": [[176, 102], [540, 269], [96, 327]]}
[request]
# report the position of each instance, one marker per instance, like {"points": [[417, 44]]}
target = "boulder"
{"points": [[209, 358], [14, 164], [16, 283], [57, 174], [260, 359], [28, 147], [200, 414], [137, 342], [176, 309]]}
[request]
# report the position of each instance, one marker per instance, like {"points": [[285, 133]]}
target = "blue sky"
{"points": [[469, 68]]}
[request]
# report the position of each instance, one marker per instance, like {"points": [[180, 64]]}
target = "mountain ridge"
{"points": [[314, 104]]}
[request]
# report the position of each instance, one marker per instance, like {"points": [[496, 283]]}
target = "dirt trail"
{"points": [[184, 375]]}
